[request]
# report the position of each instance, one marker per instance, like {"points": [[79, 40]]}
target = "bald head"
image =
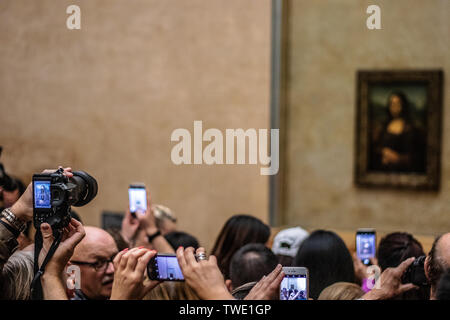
{"points": [[438, 260], [96, 240], [98, 246], [443, 250]]}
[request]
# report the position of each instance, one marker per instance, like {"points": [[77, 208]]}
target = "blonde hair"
{"points": [[341, 291], [17, 275], [162, 212], [172, 291]]}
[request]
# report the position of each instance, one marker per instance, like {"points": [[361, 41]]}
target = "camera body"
{"points": [[415, 273], [54, 194]]}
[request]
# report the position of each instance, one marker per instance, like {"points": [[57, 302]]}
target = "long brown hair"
{"points": [[238, 231]]}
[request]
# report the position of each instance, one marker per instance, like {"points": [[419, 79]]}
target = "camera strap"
{"points": [[36, 287]]}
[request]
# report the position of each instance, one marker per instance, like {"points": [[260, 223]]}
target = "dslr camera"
{"points": [[415, 273], [54, 194]]}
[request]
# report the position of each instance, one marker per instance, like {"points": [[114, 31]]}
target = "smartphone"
{"points": [[138, 198], [295, 284], [164, 267], [366, 245]]}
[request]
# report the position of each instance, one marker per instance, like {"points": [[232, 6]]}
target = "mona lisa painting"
{"points": [[398, 129]]}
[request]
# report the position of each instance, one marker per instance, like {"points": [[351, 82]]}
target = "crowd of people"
{"points": [[95, 264]]}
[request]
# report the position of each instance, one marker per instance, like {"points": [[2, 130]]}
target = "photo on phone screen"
{"points": [[138, 198], [294, 285], [165, 267], [366, 245], [42, 195]]}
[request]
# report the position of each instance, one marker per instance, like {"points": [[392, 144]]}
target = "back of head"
{"points": [[238, 231], [121, 243], [165, 218], [341, 291], [396, 248], [251, 263], [181, 239], [286, 243], [438, 260], [328, 261], [17, 276], [443, 287]]}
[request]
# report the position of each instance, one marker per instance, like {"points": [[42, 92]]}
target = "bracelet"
{"points": [[153, 236], [13, 220]]}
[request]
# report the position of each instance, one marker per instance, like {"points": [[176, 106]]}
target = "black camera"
{"points": [[54, 194], [415, 273]]}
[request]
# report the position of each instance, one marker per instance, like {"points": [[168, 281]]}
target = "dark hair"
{"points": [[250, 263], [14, 184], [183, 239], [328, 261], [285, 261], [395, 248], [435, 267], [443, 287], [118, 239], [238, 231]]}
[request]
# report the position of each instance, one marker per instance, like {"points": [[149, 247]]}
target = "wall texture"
{"points": [[106, 98], [328, 43]]}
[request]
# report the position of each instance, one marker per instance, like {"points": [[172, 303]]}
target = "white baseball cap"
{"points": [[287, 241]]}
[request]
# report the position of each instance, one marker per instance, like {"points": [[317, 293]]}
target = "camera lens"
{"points": [[87, 187]]}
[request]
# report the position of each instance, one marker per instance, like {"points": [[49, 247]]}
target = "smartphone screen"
{"points": [[42, 194], [365, 245], [294, 285], [165, 267], [138, 198]]}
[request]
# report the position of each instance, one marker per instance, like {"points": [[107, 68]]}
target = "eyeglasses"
{"points": [[100, 265]]}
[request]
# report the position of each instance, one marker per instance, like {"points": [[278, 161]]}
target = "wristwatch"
{"points": [[153, 236], [13, 220]]}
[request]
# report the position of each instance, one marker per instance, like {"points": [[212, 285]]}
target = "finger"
{"points": [[76, 236], [200, 250], [213, 260], [118, 257], [190, 258], [275, 273], [407, 287], [123, 261], [279, 278], [403, 266], [135, 254], [143, 262], [149, 202], [374, 261], [47, 234], [181, 258]]}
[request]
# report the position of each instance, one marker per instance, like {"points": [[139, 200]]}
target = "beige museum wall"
{"points": [[106, 98], [329, 42]]}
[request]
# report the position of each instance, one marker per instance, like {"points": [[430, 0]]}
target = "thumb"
{"points": [[407, 287], [47, 235]]}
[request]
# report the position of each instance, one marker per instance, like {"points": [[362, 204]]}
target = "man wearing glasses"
{"points": [[94, 256]]}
